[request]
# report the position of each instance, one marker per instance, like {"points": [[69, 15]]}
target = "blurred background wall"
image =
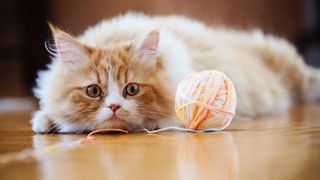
{"points": [[24, 30]]}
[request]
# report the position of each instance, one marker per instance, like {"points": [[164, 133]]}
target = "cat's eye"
{"points": [[93, 91], [132, 89]]}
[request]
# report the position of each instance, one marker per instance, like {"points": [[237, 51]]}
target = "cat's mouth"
{"points": [[114, 116]]}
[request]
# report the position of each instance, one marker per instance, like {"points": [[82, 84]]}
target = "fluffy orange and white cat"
{"points": [[123, 72]]}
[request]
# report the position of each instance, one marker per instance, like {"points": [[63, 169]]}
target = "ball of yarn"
{"points": [[206, 101]]}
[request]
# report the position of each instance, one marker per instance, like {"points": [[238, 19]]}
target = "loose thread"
{"points": [[90, 135], [179, 129]]}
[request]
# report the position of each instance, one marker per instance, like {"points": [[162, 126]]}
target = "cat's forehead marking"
{"points": [[99, 61], [120, 61], [112, 84], [111, 67]]}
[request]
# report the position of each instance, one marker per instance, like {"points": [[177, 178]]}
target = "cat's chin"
{"points": [[116, 123]]}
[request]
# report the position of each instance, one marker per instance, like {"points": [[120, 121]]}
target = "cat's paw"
{"points": [[40, 122]]}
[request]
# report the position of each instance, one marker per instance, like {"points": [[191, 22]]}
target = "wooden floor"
{"points": [[284, 146]]}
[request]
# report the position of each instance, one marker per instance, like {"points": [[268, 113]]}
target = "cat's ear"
{"points": [[65, 47], [148, 46]]}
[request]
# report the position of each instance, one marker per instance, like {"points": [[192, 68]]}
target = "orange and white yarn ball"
{"points": [[206, 101]]}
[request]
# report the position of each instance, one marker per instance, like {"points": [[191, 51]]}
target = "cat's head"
{"points": [[125, 86]]}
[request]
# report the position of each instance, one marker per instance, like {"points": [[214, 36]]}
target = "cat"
{"points": [[123, 73]]}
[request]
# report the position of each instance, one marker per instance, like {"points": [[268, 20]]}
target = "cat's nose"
{"points": [[114, 107]]}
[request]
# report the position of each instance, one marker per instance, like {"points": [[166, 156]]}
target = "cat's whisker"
{"points": [[50, 47], [56, 127], [53, 127], [85, 127]]}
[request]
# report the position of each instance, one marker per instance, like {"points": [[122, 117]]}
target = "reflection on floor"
{"points": [[283, 146]]}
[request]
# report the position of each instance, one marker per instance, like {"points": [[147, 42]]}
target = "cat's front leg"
{"points": [[41, 122]]}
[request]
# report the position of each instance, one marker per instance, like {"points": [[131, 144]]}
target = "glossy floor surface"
{"points": [[283, 146]]}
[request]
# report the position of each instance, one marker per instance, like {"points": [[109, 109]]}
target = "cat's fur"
{"points": [[158, 52]]}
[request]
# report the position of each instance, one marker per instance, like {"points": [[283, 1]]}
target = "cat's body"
{"points": [[155, 53]]}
